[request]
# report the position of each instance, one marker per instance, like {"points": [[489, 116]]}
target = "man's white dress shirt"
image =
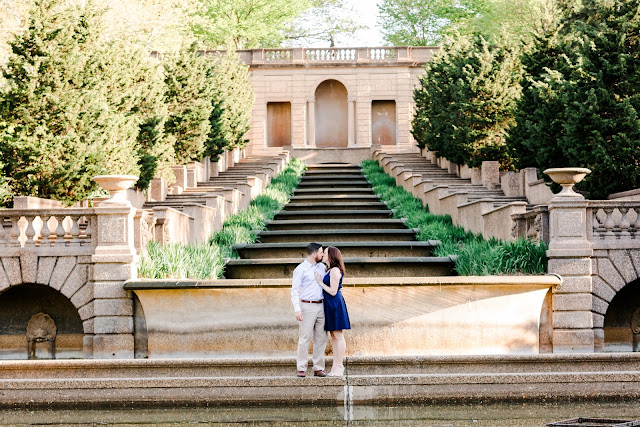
{"points": [[304, 285]]}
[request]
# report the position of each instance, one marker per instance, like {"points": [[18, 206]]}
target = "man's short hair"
{"points": [[312, 248]]}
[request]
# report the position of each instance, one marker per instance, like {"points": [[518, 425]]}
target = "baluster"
{"points": [[14, 233], [609, 224], [4, 236], [45, 232], [75, 231], [596, 224], [60, 232], [30, 232], [624, 224], [636, 224], [88, 231]]}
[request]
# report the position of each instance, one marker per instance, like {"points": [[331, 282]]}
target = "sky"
{"points": [[367, 13]]}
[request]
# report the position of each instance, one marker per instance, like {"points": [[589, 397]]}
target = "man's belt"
{"points": [[311, 302]]}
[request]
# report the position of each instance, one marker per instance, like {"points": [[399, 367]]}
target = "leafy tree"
{"points": [[466, 100], [246, 24], [585, 81], [189, 91], [423, 22], [64, 116], [325, 20]]}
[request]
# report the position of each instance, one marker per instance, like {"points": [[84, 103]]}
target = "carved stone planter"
{"points": [[567, 178], [117, 186]]}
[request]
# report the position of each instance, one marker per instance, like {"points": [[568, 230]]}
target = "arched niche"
{"points": [[19, 304], [623, 313], [331, 115]]}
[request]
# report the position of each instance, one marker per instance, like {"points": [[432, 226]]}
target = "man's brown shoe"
{"points": [[319, 374], [302, 374]]}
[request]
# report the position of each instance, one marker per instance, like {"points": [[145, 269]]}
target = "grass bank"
{"points": [[475, 255], [206, 260]]}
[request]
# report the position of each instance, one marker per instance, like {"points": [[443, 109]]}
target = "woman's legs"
{"points": [[339, 349]]}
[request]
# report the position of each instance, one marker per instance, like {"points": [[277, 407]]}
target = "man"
{"points": [[306, 296]]}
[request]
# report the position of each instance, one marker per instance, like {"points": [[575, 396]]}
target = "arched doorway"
{"points": [[622, 320], [27, 304], [331, 115]]}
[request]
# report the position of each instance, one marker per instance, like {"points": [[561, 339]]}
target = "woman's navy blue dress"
{"points": [[336, 317]]}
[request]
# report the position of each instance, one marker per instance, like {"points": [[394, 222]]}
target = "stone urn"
{"points": [[567, 178], [117, 186]]}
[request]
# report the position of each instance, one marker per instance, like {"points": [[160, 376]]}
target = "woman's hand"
{"points": [[318, 278]]}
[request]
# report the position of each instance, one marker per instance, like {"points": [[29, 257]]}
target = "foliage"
{"points": [[68, 111], [423, 22], [582, 97], [466, 101], [246, 24], [180, 261], [325, 20], [231, 105], [189, 90], [428, 22], [475, 256]]}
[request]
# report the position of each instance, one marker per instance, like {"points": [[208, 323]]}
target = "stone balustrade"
{"points": [[65, 229], [334, 55], [614, 224]]}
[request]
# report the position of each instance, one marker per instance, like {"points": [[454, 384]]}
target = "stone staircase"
{"points": [[335, 205], [480, 207], [262, 381]]}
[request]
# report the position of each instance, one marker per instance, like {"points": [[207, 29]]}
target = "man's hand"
{"points": [[299, 316]]}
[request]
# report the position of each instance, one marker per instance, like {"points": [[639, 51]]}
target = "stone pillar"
{"points": [[114, 262], [490, 174], [158, 190], [570, 257], [351, 122], [311, 117]]}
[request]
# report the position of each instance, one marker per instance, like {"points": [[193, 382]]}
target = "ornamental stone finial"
{"points": [[567, 178]]}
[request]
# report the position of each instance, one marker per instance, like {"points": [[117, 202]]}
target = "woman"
{"points": [[335, 310]]}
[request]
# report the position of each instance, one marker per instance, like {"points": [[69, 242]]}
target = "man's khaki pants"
{"points": [[312, 325]]}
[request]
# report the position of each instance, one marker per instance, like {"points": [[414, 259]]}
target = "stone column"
{"points": [[569, 256], [114, 262], [311, 117], [351, 122]]}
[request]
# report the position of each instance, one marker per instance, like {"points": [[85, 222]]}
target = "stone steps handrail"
{"points": [[613, 221], [68, 227]]}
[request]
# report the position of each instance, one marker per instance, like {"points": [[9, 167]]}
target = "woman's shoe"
{"points": [[339, 372]]}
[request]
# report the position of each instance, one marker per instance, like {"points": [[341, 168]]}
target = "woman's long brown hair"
{"points": [[335, 259]]}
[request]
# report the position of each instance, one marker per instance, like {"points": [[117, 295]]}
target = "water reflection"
{"points": [[476, 415]]}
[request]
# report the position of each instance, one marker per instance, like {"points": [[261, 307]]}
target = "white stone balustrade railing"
{"points": [[66, 229], [332, 54], [613, 224], [297, 56]]}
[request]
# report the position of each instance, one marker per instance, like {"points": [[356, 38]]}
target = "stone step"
{"points": [[327, 191], [333, 214], [334, 198], [344, 224], [334, 184], [335, 176], [273, 268], [335, 206], [348, 249], [269, 367], [365, 235]]}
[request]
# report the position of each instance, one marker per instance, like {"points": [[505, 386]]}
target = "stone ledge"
{"points": [[546, 280]]}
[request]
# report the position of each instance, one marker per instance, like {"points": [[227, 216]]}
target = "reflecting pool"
{"points": [[492, 414]]}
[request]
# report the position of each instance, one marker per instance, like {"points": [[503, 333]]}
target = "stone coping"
{"points": [[535, 280]]}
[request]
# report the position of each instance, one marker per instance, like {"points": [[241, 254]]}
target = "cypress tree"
{"points": [[466, 101], [232, 104], [63, 116], [189, 93], [586, 92]]}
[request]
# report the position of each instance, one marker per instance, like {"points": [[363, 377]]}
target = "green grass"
{"points": [[180, 261], [475, 255], [206, 261]]}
